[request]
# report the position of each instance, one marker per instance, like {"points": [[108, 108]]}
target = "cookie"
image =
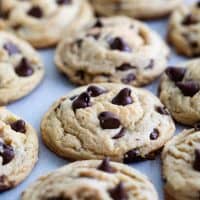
{"points": [[100, 120], [42, 22], [180, 91], [99, 180], [184, 30], [21, 68], [142, 9], [181, 165], [18, 149], [116, 49]]}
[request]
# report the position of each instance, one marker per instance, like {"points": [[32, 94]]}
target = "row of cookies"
{"points": [[41, 22]]}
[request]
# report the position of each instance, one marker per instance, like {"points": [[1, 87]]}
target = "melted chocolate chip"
{"points": [[24, 68], [155, 134], [82, 101], [129, 78], [119, 44], [132, 156], [189, 20], [150, 65], [98, 24], [6, 152], [19, 126], [123, 98], [11, 48], [120, 134], [108, 120], [62, 2], [197, 126], [105, 166], [80, 74], [189, 88], [95, 91], [119, 192], [36, 12], [162, 110], [196, 164], [125, 67], [176, 73]]}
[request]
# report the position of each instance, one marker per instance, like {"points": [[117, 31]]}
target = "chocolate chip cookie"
{"points": [[114, 120], [21, 68], [116, 49], [181, 166], [42, 22], [99, 180], [180, 91], [143, 9], [184, 30], [18, 149]]}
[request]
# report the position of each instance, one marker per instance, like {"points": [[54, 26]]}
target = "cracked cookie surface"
{"points": [[133, 8], [116, 49], [21, 68], [42, 22], [180, 91], [114, 120], [18, 149], [181, 166], [184, 30], [99, 180]]}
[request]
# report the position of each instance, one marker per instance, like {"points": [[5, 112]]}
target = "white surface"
{"points": [[33, 107]]}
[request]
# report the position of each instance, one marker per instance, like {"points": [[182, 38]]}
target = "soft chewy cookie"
{"points": [[92, 180], [180, 91], [135, 8], [115, 120], [21, 69], [181, 166], [18, 149], [42, 22], [116, 49], [184, 30]]}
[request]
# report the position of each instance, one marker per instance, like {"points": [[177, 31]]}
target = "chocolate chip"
{"points": [[108, 120], [19, 126], [150, 65], [129, 78], [123, 98], [80, 74], [154, 134], [197, 126], [36, 12], [95, 91], [125, 67], [11, 48], [119, 44], [98, 24], [120, 134], [105, 166], [132, 156], [62, 2], [196, 164], [6, 152], [162, 110], [82, 101], [24, 68], [119, 192], [188, 88], [175, 73], [189, 20]]}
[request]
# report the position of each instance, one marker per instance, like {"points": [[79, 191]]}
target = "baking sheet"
{"points": [[55, 85]]}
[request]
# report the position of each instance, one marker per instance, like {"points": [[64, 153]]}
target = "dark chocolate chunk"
{"points": [[105, 166], [36, 12], [108, 120], [120, 134], [6, 152], [123, 98], [162, 110], [176, 73], [24, 68], [119, 44], [133, 156], [125, 67], [63, 2], [119, 192], [196, 164], [98, 24], [154, 134], [190, 20], [11, 48], [129, 78], [188, 88], [82, 101], [19, 126], [95, 91]]}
